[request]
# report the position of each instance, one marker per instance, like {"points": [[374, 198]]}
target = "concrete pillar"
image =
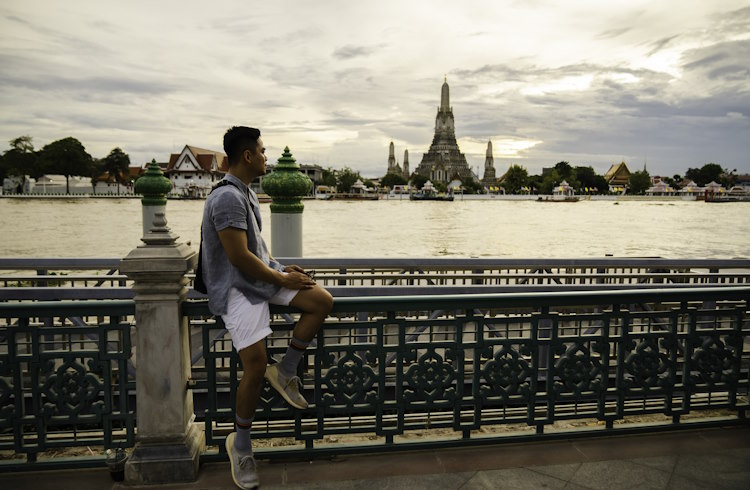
{"points": [[286, 186], [286, 234], [168, 441]]}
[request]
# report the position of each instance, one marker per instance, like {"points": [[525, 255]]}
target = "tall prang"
{"points": [[489, 167], [406, 165], [393, 166], [444, 160]]}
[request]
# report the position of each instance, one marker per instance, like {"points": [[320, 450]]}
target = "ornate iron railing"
{"points": [[451, 370], [66, 278], [65, 377], [407, 371]]}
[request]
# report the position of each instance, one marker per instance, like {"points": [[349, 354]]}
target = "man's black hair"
{"points": [[237, 139]]}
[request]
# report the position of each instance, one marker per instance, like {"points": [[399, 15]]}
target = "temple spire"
{"points": [[489, 178], [445, 105]]}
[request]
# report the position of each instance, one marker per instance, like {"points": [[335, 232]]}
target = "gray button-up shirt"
{"points": [[233, 206]]}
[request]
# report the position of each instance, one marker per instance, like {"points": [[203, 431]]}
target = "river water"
{"points": [[392, 228]]}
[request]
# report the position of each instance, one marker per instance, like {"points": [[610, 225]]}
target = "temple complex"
{"points": [[444, 161]]}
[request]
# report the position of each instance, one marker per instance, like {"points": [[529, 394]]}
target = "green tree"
{"points": [[96, 170], [116, 165], [534, 183], [673, 182], [549, 181], [471, 186], [22, 144], [345, 179], [728, 179], [391, 179], [66, 157], [588, 178], [20, 159], [418, 180], [515, 178], [639, 181], [329, 177], [710, 172], [564, 170]]}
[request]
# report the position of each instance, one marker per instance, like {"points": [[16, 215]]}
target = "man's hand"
{"points": [[295, 278], [234, 242]]}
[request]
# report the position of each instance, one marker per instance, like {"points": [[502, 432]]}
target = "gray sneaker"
{"points": [[244, 471], [288, 388]]}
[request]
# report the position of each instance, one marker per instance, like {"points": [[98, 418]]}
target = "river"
{"points": [[390, 228]]}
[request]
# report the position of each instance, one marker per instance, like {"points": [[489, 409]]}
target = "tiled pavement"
{"points": [[686, 459]]}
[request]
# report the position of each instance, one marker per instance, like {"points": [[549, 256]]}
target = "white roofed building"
{"points": [[195, 170]]}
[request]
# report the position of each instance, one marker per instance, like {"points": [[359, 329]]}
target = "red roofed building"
{"points": [[195, 170]]}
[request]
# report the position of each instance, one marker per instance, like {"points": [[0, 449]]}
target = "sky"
{"points": [[661, 83]]}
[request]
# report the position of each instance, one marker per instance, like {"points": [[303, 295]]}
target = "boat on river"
{"points": [[420, 196], [359, 192], [558, 199], [324, 193], [429, 193]]}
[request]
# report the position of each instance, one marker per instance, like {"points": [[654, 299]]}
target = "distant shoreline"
{"points": [[70, 196], [386, 197]]}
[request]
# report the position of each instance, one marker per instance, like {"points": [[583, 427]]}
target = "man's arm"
{"points": [[234, 241]]}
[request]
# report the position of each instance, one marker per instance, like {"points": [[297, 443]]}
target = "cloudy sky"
{"points": [[665, 82]]}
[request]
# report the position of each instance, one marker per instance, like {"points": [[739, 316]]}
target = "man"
{"points": [[242, 279]]}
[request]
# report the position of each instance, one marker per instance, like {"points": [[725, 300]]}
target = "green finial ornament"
{"points": [[153, 186], [286, 185]]}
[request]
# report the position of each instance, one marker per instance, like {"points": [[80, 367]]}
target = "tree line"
{"points": [[66, 157], [581, 178], [69, 157]]}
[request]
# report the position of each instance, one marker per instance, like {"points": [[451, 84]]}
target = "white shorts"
{"points": [[248, 323]]}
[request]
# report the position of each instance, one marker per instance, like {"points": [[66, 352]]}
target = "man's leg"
{"points": [[253, 360], [239, 445], [315, 304]]}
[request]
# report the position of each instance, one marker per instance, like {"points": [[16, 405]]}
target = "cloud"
{"points": [[338, 81], [612, 33], [348, 52], [661, 44]]}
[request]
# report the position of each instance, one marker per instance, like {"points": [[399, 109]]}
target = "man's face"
{"points": [[257, 160]]}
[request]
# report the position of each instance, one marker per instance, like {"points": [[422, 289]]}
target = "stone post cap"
{"points": [[160, 253], [153, 186], [287, 185]]}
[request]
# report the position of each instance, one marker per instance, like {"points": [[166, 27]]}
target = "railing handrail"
{"points": [[436, 262], [69, 308], [445, 301], [510, 300]]}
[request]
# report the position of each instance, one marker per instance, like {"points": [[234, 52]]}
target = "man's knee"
{"points": [[326, 302], [317, 301], [254, 362]]}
